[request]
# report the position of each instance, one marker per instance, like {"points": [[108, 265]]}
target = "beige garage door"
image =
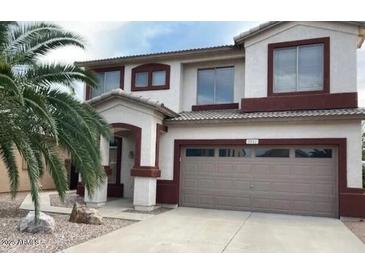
{"points": [[295, 180]]}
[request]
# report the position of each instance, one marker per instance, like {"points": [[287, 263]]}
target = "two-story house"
{"points": [[270, 123]]}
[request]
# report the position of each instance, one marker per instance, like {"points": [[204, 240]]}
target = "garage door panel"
{"points": [[328, 189], [290, 187], [233, 201], [271, 184]]}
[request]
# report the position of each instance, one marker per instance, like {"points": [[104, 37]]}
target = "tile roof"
{"points": [[236, 115], [119, 93], [173, 53]]}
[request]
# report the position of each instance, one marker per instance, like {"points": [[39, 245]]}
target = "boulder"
{"points": [[46, 223], [85, 215]]}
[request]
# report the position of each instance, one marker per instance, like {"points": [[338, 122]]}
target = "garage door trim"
{"points": [[340, 143]]}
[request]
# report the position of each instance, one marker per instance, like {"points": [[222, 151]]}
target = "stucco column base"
{"points": [[99, 197], [144, 198]]}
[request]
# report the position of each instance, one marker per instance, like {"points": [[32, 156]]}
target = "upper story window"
{"points": [[215, 85], [150, 77], [108, 79], [299, 67]]}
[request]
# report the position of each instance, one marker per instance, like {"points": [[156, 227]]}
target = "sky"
{"points": [[113, 39]]}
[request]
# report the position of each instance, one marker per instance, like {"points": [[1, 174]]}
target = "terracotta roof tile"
{"points": [[236, 115]]}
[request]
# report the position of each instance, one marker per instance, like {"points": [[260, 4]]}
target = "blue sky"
{"points": [[112, 39]]}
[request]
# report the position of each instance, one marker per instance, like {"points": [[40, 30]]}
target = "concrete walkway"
{"points": [[113, 209], [206, 230]]}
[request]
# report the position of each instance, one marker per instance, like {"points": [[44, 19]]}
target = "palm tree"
{"points": [[39, 114]]}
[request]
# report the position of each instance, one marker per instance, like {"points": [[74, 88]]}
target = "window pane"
{"points": [[310, 67], [200, 152], [112, 80], [313, 153], [141, 79], [100, 87], [158, 78], [205, 86], [285, 67], [274, 152], [224, 78], [234, 152]]}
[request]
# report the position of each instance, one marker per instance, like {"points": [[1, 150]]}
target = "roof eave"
{"points": [[240, 38], [119, 94], [191, 53], [266, 119]]}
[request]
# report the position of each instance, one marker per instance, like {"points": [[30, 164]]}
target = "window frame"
{"points": [[149, 69], [89, 90], [215, 84], [326, 65]]}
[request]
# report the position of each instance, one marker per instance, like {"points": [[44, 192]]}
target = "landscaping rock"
{"points": [[85, 215], [46, 223]]}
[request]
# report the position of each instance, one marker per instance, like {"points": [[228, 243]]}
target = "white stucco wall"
{"points": [[343, 39], [190, 76], [350, 129]]}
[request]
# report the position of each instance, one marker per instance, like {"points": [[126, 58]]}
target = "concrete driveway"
{"points": [[206, 230]]}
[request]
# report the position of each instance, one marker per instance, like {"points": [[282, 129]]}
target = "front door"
{"points": [[115, 187]]}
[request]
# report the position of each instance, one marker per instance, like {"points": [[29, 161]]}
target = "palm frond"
{"points": [[50, 74], [34, 40], [8, 156]]}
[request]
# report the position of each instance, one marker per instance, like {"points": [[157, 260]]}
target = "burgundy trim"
{"points": [[146, 171], [115, 190], [346, 207], [149, 68], [88, 94], [80, 189], [326, 65], [108, 171], [214, 107], [159, 130], [138, 170], [352, 205], [300, 102], [137, 132], [166, 192]]}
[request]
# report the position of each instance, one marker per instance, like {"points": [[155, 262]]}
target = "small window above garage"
{"points": [[200, 152], [313, 153], [234, 152], [272, 152]]}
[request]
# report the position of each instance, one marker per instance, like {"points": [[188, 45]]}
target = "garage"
{"points": [[280, 179]]}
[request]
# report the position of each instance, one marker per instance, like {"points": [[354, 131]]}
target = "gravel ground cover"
{"points": [[357, 226], [65, 235], [70, 199]]}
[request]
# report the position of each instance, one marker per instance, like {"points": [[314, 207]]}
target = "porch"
{"points": [[131, 158]]}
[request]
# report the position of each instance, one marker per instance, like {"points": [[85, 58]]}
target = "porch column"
{"points": [[100, 195], [144, 193], [145, 174]]}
